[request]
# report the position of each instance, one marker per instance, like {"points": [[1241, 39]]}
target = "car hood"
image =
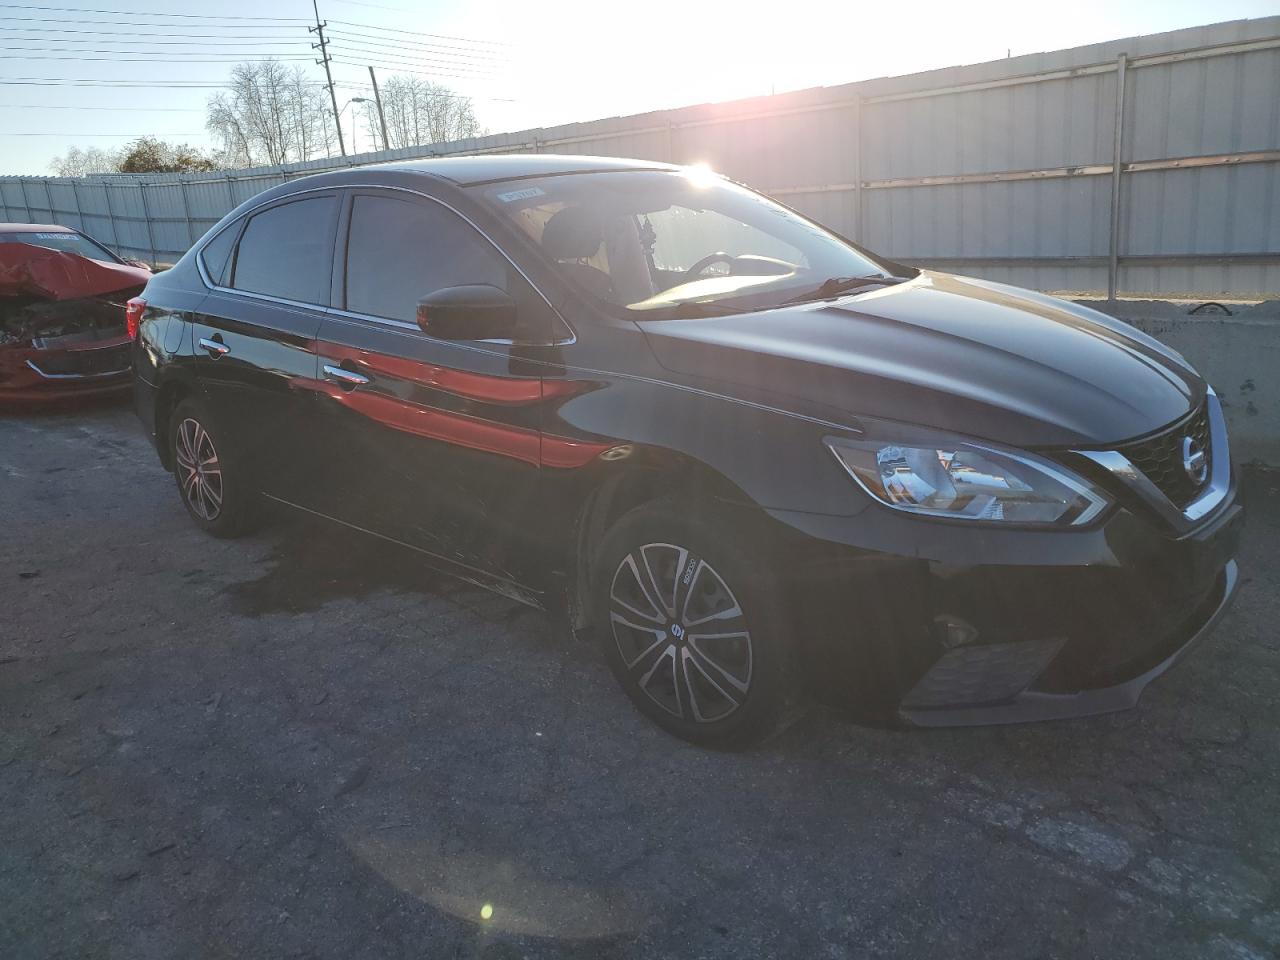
{"points": [[970, 356]]}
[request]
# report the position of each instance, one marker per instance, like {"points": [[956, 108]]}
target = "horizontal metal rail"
{"points": [[1099, 260], [1108, 66], [1048, 173]]}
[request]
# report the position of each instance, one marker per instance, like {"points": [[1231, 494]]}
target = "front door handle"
{"points": [[348, 378], [216, 348]]}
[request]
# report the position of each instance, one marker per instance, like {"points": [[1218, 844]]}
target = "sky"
{"points": [[150, 66]]}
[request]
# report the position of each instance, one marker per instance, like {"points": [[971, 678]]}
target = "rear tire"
{"points": [[210, 481], [691, 623]]}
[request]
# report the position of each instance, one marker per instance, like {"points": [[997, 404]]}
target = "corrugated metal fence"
{"points": [[1146, 165]]}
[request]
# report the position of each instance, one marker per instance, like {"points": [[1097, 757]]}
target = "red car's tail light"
{"points": [[133, 316]]}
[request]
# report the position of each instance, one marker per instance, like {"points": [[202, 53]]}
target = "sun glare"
{"points": [[701, 174]]}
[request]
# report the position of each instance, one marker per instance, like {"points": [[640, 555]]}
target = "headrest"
{"points": [[573, 233]]}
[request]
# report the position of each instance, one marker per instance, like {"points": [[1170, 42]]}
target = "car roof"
{"points": [[34, 228], [471, 170]]}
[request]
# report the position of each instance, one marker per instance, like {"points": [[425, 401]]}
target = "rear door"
{"points": [[255, 338], [431, 442]]}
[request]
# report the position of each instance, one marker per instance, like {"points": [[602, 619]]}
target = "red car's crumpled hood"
{"points": [[30, 271]]}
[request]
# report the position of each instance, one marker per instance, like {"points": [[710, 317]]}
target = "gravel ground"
{"points": [[304, 745]]}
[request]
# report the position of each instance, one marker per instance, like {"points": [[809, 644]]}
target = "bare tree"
{"points": [[271, 114], [81, 162], [419, 111]]}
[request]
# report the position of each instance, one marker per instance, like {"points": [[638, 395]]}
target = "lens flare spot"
{"points": [[486, 912]]}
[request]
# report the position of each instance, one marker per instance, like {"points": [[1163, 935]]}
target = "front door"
{"points": [[432, 442]]}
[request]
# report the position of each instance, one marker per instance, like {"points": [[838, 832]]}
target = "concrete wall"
{"points": [[1239, 353]]}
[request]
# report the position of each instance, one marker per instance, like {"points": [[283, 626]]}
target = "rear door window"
{"points": [[286, 251]]}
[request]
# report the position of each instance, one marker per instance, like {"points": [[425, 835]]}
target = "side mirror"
{"points": [[475, 311]]}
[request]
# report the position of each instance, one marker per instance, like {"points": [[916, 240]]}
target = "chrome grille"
{"points": [[1160, 458]]}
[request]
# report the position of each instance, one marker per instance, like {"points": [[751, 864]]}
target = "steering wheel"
{"points": [[720, 257]]}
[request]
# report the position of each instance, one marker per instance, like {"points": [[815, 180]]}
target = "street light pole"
{"points": [[354, 125]]}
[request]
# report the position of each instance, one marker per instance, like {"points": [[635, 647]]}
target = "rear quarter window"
{"points": [[216, 255]]}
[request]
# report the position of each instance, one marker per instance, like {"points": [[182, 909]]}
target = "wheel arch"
{"points": [[170, 394], [654, 476]]}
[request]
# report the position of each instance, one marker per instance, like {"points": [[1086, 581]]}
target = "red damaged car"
{"points": [[62, 315]]}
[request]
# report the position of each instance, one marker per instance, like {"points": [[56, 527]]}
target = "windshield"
{"points": [[66, 242], [658, 243]]}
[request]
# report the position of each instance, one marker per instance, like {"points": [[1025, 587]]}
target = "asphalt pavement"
{"points": [[305, 744]]}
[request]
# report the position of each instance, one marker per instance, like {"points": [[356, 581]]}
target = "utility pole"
{"points": [[382, 117], [318, 30]]}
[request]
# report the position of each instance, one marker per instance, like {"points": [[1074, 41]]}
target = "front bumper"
{"points": [[941, 624], [32, 377], [1031, 704]]}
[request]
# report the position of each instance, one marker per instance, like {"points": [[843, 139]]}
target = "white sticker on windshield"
{"points": [[48, 236], [524, 194]]}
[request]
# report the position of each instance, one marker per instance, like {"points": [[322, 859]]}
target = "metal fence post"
{"points": [[26, 204], [146, 213], [75, 195], [186, 209], [111, 214], [857, 170], [1117, 165]]}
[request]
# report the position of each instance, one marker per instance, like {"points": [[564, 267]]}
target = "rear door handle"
{"points": [[344, 376], [216, 348]]}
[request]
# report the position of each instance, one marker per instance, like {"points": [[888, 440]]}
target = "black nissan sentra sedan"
{"points": [[748, 457]]}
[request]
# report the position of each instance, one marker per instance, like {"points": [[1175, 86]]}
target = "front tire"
{"points": [[691, 625], [212, 486]]}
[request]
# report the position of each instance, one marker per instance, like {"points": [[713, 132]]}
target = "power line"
{"points": [[143, 33], [481, 66], [211, 58], [43, 106], [113, 81], [476, 70], [273, 42], [419, 33], [81, 134], [135, 23], [141, 48], [378, 6], [122, 84], [452, 96], [374, 40], [401, 68], [150, 13], [240, 52]]}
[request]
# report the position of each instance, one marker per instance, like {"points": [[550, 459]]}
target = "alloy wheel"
{"points": [[199, 470], [681, 633]]}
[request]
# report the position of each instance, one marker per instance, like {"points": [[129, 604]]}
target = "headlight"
{"points": [[969, 481]]}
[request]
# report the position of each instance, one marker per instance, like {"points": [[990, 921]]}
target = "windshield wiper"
{"points": [[699, 310], [835, 286]]}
